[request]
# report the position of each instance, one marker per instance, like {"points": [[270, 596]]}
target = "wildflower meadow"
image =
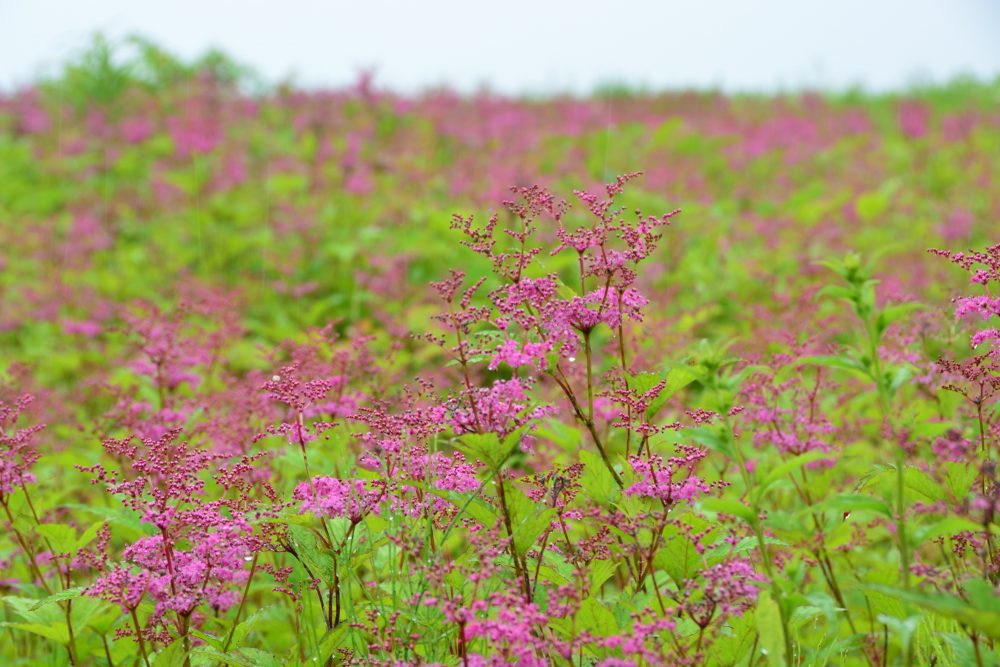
{"points": [[350, 377]]}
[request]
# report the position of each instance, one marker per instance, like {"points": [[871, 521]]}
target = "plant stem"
{"points": [[588, 352], [589, 423], [26, 548], [138, 635], [243, 600], [900, 455], [761, 542], [520, 570]]}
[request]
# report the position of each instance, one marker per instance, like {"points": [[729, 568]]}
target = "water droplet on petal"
{"points": [[275, 378], [248, 558], [572, 358]]}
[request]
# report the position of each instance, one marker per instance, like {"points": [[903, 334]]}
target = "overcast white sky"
{"points": [[536, 45]]}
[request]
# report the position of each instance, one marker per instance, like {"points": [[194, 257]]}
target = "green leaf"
{"points": [[483, 446], [331, 641], [675, 378], [595, 617], [838, 266], [88, 535], [747, 544], [731, 507], [261, 658], [227, 659], [923, 484], [948, 526], [959, 478], [470, 504], [894, 313], [313, 553], [487, 447], [172, 656], [899, 378], [772, 637], [531, 529], [855, 503], [836, 292], [903, 628], [247, 625], [712, 438], [564, 291], [600, 572], [983, 614], [54, 630], [215, 642], [60, 537], [643, 382], [677, 556], [983, 595], [245, 657], [837, 361], [67, 594], [788, 467], [597, 481], [867, 301]]}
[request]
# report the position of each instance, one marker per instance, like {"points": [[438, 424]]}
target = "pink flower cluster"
{"points": [[200, 549], [984, 268], [672, 480], [551, 317], [17, 452], [729, 589], [331, 497]]}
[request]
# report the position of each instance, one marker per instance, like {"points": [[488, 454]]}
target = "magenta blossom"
{"points": [[332, 497], [672, 480]]}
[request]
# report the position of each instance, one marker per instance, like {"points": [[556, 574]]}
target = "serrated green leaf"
{"points": [[215, 642], [313, 553], [596, 618], [331, 641], [531, 528], [596, 480], [922, 483], [61, 537], [984, 615], [246, 626], [959, 478], [67, 594], [173, 655], [600, 572]]}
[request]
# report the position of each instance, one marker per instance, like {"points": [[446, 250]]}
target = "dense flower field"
{"points": [[344, 377]]}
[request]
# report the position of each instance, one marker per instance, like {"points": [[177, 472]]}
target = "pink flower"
{"points": [[136, 130], [730, 588], [670, 481], [17, 454], [332, 497]]}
